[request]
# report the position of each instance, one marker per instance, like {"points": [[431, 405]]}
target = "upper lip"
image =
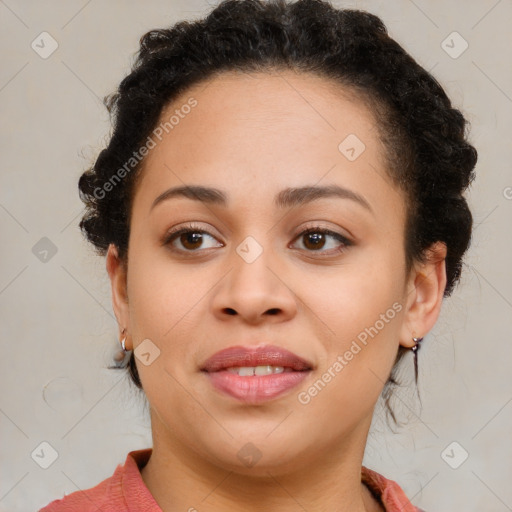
{"points": [[269, 355]]}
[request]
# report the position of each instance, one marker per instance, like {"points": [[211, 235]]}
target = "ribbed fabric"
{"points": [[390, 494], [125, 491]]}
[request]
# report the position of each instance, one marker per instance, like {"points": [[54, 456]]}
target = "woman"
{"points": [[281, 209]]}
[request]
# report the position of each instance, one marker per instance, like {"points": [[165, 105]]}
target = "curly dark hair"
{"points": [[427, 152]]}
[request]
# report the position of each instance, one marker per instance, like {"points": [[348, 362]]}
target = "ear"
{"points": [[118, 273], [425, 289]]}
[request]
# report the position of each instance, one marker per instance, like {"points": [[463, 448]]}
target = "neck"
{"points": [[179, 479]]}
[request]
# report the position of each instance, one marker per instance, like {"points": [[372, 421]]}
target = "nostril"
{"points": [[273, 311], [230, 311]]}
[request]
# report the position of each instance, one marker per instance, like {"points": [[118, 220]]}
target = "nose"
{"points": [[254, 291]]}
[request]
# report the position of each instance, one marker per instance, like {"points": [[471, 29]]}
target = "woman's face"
{"points": [[248, 276]]}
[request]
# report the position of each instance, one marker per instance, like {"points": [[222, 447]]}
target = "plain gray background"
{"points": [[57, 328]]}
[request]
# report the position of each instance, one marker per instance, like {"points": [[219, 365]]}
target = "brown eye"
{"points": [[316, 239], [189, 239]]}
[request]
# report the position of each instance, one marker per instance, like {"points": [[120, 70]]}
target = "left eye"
{"points": [[315, 239], [190, 239]]}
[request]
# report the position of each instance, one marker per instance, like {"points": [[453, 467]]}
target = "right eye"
{"points": [[190, 238]]}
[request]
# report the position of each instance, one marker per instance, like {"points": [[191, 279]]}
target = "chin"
{"points": [[260, 456]]}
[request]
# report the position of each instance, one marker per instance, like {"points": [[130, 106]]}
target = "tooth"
{"points": [[263, 370], [249, 371], [246, 371]]}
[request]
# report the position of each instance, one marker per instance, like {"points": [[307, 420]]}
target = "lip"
{"points": [[257, 388], [258, 356]]}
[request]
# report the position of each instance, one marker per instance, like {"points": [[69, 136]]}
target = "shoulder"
{"points": [[108, 494], [88, 500]]}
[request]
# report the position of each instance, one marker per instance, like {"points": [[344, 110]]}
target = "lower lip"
{"points": [[257, 388]]}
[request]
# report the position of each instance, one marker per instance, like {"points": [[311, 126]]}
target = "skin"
{"points": [[253, 135]]}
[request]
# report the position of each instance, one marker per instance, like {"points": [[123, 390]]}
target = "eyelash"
{"points": [[192, 228]]}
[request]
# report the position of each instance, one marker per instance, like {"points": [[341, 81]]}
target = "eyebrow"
{"points": [[288, 197]]}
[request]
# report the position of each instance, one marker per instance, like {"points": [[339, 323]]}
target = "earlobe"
{"points": [[425, 295]]}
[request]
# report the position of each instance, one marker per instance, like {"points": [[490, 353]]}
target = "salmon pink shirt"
{"points": [[125, 491]]}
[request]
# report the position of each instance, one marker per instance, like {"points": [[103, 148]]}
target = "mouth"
{"points": [[243, 357], [255, 375]]}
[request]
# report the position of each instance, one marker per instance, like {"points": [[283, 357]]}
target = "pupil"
{"points": [[317, 239], [193, 239]]}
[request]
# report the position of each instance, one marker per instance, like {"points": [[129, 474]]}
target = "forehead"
{"points": [[274, 102], [261, 131]]}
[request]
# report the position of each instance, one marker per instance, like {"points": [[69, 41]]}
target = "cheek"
{"points": [[167, 306], [164, 303], [356, 312], [351, 297], [161, 293]]}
